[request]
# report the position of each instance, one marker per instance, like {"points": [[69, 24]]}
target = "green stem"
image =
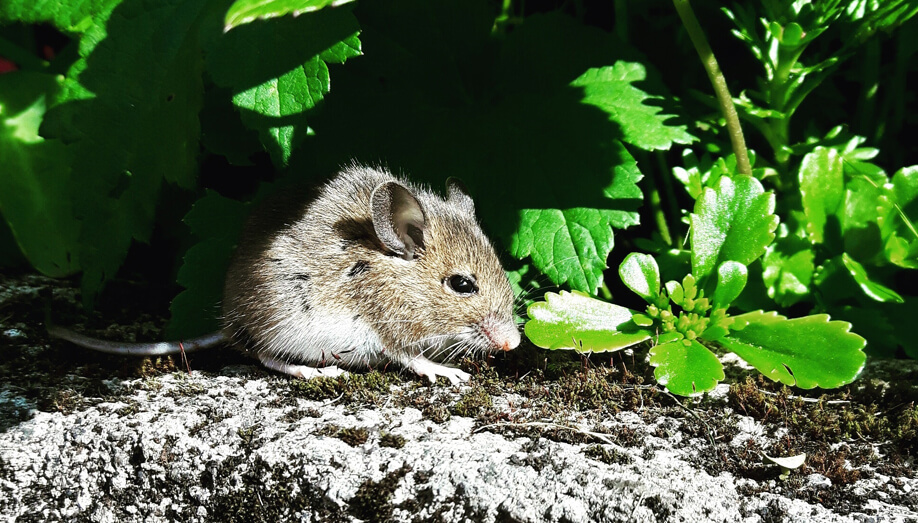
{"points": [[696, 33]]}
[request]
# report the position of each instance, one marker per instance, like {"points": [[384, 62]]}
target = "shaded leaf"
{"points": [[788, 269], [35, 184]]}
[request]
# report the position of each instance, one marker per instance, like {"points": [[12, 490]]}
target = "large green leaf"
{"points": [[733, 221], [685, 367], [822, 189], [132, 117], [611, 89], [245, 11], [807, 352], [35, 182], [577, 322], [70, 17]]}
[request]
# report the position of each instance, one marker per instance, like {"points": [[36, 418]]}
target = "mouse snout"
{"points": [[502, 333]]}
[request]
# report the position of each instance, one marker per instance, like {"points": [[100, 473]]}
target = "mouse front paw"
{"points": [[424, 367]]}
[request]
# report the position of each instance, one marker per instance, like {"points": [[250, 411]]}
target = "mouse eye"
{"points": [[461, 284]]}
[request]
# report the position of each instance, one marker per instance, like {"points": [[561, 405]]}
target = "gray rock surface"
{"points": [[240, 444]]}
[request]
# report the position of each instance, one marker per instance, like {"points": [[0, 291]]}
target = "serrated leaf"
{"points": [[733, 221], [685, 367], [286, 73], [822, 189], [578, 322], [872, 289], [804, 352], [899, 227], [571, 245], [640, 273], [611, 89], [132, 117], [789, 265], [731, 280], [69, 17], [245, 11], [35, 184]]}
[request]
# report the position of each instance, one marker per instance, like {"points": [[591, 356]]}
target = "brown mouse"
{"points": [[372, 270]]}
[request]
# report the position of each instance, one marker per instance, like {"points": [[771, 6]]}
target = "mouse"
{"points": [[367, 271]]}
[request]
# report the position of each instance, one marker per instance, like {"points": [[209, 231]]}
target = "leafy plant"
{"points": [[732, 226]]}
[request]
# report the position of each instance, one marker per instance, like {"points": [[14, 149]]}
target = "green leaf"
{"points": [[807, 352], [73, 17], [286, 73], [245, 11], [217, 221], [130, 116], [640, 273], [872, 289], [822, 189], [35, 184], [898, 226], [731, 280], [576, 321], [789, 265], [734, 221], [611, 89], [685, 367], [571, 245]]}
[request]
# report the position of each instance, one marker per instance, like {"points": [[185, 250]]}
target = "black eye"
{"points": [[462, 284]]}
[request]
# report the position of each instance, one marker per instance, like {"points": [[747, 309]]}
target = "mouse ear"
{"points": [[398, 219], [458, 194]]}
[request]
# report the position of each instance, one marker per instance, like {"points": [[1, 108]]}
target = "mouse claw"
{"points": [[424, 367]]}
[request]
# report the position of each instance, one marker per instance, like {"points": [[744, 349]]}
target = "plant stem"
{"points": [[696, 33]]}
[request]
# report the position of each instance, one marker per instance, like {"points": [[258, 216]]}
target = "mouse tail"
{"points": [[163, 348]]}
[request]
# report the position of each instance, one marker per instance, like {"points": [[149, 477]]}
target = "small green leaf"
{"points": [[733, 221], [675, 291], [246, 11], [792, 34], [872, 289], [807, 352], [640, 273], [579, 322], [731, 280], [685, 367], [822, 189], [611, 89]]}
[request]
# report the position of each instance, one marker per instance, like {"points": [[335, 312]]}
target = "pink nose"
{"points": [[503, 335]]}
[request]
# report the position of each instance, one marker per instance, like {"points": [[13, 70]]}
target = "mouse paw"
{"points": [[301, 371], [424, 367]]}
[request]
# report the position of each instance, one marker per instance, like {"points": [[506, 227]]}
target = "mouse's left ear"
{"points": [[458, 194], [398, 219]]}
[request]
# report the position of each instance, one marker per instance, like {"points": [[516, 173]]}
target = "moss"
{"points": [[472, 403], [372, 387], [391, 440], [606, 454], [353, 436], [372, 502]]}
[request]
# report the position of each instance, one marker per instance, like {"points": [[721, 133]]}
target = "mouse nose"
{"points": [[502, 334], [512, 341]]}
